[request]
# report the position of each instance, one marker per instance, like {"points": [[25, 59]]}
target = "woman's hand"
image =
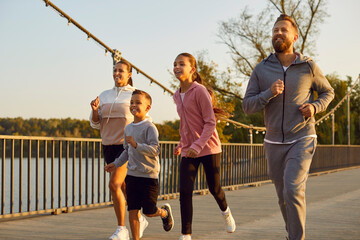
{"points": [[95, 104]]}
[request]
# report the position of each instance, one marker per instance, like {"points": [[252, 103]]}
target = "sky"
{"points": [[50, 70]]}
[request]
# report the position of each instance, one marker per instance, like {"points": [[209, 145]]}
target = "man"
{"points": [[283, 85]]}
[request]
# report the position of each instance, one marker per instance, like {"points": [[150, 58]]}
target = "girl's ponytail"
{"points": [[197, 78], [219, 112]]}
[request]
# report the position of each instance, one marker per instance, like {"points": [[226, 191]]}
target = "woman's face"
{"points": [[182, 68], [121, 75]]}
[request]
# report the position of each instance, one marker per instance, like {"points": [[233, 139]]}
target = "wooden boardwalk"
{"points": [[333, 213]]}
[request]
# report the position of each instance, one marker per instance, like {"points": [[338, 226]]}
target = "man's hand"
{"points": [[131, 141], [191, 153], [110, 167], [307, 110], [277, 87]]}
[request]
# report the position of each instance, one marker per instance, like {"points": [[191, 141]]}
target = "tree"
{"points": [[341, 87], [248, 37], [324, 128], [169, 131]]}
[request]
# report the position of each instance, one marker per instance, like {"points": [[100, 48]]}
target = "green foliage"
{"points": [[169, 131], [51, 128], [324, 130]]}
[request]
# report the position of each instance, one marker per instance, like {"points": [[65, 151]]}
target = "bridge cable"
{"points": [[116, 54], [332, 111]]}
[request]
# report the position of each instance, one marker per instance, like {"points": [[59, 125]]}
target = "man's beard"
{"points": [[281, 46]]}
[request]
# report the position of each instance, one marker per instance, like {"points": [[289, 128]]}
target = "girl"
{"points": [[110, 113], [199, 142]]}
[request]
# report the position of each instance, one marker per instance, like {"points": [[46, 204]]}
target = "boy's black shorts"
{"points": [[142, 193], [111, 152]]}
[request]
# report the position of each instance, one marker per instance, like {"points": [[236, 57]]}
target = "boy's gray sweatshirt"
{"points": [[144, 159], [283, 119]]}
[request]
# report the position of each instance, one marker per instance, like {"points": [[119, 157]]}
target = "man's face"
{"points": [[284, 37]]}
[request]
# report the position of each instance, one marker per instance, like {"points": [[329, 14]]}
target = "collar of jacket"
{"points": [[193, 86], [300, 59], [125, 88]]}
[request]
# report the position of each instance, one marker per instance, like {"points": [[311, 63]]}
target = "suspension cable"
{"points": [[107, 49], [339, 103], [117, 55]]}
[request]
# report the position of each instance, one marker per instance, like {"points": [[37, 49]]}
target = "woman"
{"points": [[111, 113]]}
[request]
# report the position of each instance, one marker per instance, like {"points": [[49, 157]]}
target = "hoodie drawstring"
{"points": [[113, 104]]}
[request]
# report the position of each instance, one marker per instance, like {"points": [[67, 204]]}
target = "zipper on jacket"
{"points": [[283, 111]]}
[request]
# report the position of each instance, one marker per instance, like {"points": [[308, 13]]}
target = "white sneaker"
{"points": [[122, 234], [229, 221], [185, 237], [143, 225]]}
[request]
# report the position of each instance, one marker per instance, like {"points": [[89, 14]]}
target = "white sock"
{"points": [[226, 212], [121, 228], [141, 218]]}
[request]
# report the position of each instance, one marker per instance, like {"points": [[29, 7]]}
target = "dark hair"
{"points": [[217, 110], [284, 17], [196, 76], [129, 68], [140, 92]]}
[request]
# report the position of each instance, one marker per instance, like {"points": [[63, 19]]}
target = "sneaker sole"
{"points": [[170, 212]]}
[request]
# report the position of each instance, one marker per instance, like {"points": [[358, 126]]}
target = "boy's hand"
{"points": [[110, 167], [131, 141]]}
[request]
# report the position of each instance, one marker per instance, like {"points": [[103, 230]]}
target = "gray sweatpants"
{"points": [[288, 168]]}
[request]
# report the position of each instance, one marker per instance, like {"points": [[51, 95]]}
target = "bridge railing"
{"points": [[41, 175]]}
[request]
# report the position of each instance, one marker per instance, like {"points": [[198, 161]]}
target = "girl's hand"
{"points": [[110, 167], [177, 151], [191, 153], [95, 104], [130, 140]]}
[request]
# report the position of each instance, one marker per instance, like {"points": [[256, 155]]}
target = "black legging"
{"points": [[188, 171]]}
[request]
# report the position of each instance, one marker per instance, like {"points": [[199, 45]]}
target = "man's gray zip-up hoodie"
{"points": [[283, 119]]}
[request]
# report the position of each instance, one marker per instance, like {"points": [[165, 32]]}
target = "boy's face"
{"points": [[139, 106]]}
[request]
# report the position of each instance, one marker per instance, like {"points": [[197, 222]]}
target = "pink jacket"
{"points": [[197, 121]]}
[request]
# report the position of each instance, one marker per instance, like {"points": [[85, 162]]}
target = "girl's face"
{"points": [[183, 69], [121, 75]]}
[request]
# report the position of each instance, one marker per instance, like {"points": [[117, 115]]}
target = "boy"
{"points": [[141, 146]]}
